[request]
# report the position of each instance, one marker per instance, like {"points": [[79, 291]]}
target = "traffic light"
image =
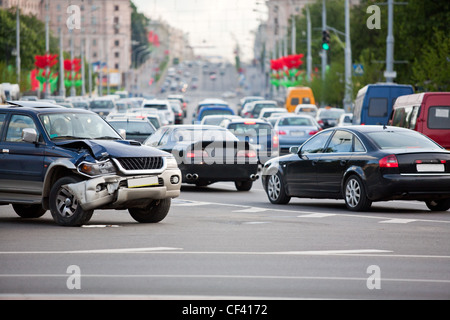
{"points": [[326, 40]]}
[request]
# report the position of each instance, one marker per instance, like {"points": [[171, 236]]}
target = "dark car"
{"points": [[208, 154], [363, 164], [135, 128], [259, 133], [329, 117], [72, 162]]}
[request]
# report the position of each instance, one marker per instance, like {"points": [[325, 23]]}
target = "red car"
{"points": [[427, 113]]}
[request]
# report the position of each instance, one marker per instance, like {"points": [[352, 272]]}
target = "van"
{"points": [[298, 95], [427, 113], [374, 102]]}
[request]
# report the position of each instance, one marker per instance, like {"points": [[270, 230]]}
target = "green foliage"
{"points": [[139, 33], [431, 69]]}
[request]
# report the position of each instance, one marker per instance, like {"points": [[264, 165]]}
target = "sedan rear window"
{"points": [[402, 140], [296, 122], [250, 130]]}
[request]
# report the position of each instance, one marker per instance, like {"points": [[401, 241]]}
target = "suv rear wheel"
{"points": [[155, 212], [65, 209]]}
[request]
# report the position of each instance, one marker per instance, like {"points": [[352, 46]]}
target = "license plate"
{"points": [[257, 146], [297, 133], [430, 168], [143, 182]]}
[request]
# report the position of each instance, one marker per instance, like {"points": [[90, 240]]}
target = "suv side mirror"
{"points": [[29, 135]]}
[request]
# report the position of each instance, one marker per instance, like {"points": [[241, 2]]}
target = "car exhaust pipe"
{"points": [[254, 177], [195, 176]]}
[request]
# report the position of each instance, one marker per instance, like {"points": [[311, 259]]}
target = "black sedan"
{"points": [[208, 154], [362, 164]]}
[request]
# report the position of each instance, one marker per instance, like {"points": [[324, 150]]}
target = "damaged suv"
{"points": [[72, 162]]}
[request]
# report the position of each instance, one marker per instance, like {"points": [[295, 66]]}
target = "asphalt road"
{"points": [[218, 243]]}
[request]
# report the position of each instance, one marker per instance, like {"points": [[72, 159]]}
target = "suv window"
{"points": [[378, 107], [439, 117], [2, 121], [16, 125]]}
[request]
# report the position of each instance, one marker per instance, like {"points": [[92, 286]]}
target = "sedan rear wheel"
{"points": [[355, 195], [276, 190], [438, 205]]}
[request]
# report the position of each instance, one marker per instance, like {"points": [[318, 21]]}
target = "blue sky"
{"points": [[213, 23]]}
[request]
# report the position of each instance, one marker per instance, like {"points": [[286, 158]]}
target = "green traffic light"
{"points": [[326, 46]]}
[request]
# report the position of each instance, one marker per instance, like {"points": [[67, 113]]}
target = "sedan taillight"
{"points": [[389, 162], [247, 153]]}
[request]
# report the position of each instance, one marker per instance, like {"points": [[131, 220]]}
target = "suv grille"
{"points": [[152, 163]]}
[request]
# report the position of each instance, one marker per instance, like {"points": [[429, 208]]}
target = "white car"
{"points": [[163, 107]]}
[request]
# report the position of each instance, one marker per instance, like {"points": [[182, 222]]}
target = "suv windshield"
{"points": [[69, 126]]}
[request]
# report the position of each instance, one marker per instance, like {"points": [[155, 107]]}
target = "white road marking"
{"points": [[398, 221], [252, 210], [317, 215]]}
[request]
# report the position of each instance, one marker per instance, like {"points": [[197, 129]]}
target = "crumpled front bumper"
{"points": [[113, 192]]}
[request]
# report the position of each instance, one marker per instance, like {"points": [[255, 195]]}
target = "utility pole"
{"points": [[390, 74], [308, 54], [324, 52], [348, 61], [62, 88], [47, 48], [18, 62]]}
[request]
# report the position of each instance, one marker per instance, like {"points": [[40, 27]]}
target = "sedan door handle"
{"points": [[314, 162], [344, 163]]}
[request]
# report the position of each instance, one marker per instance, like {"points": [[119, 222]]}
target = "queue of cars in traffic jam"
{"points": [[73, 157]]}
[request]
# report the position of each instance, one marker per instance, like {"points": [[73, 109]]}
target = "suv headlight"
{"points": [[97, 168], [171, 162]]}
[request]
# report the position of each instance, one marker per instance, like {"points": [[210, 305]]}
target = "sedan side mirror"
{"points": [[29, 135], [294, 150]]}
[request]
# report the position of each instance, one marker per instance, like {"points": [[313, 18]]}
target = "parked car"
{"points": [[177, 110], [298, 95], [102, 106], [428, 113], [180, 98], [137, 129], [329, 117], [294, 130], [268, 112], [307, 109], [212, 110], [259, 133], [243, 102], [345, 120], [362, 165], [72, 162], [211, 103], [374, 102], [216, 120], [162, 107], [253, 109], [208, 154]]}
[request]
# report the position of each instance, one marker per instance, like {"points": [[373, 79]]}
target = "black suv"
{"points": [[71, 162]]}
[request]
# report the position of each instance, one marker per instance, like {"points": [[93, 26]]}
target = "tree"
{"points": [[431, 69], [139, 32]]}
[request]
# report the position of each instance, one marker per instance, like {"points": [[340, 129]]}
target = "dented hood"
{"points": [[113, 148]]}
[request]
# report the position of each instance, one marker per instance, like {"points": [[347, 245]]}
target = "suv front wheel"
{"points": [[65, 209], [153, 213]]}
